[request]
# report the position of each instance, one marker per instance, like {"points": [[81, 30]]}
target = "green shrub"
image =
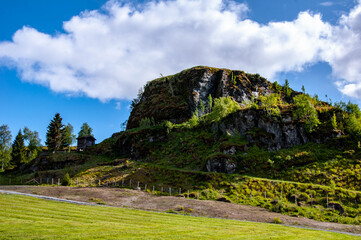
{"points": [[66, 181], [352, 124], [270, 104], [222, 107], [306, 111], [277, 220], [146, 122], [333, 121]]}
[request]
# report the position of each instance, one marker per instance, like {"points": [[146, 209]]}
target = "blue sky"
{"points": [[87, 58]]}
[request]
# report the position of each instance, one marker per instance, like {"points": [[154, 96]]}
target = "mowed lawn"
{"points": [[31, 218]]}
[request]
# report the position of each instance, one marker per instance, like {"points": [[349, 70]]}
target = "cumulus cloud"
{"points": [[343, 53], [110, 53]]}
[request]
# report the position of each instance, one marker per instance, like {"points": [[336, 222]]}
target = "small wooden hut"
{"points": [[84, 142]]}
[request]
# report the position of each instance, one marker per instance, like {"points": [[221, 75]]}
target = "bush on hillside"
{"points": [[66, 181], [306, 111], [222, 107], [270, 103]]}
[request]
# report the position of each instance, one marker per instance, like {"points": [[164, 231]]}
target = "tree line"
{"points": [[27, 144]]}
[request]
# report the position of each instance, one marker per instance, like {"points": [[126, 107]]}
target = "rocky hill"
{"points": [[176, 97], [228, 135]]}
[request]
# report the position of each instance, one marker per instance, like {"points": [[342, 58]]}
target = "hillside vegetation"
{"points": [[227, 135]]}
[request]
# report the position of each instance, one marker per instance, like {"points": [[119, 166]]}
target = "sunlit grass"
{"points": [[30, 218]]}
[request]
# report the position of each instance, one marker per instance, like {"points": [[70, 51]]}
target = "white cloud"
{"points": [[343, 53], [118, 105], [327, 4], [111, 53]]}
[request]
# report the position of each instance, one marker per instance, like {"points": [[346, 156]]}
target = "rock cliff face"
{"points": [[268, 132], [176, 97]]}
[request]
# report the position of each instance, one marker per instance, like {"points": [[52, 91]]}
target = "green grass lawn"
{"points": [[31, 218]]}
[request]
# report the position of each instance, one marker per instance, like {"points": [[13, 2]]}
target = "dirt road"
{"points": [[141, 200]]}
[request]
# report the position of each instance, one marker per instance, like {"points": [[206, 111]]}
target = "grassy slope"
{"points": [[29, 218]]}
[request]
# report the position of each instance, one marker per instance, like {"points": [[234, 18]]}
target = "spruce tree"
{"points": [[55, 134], [18, 154]]}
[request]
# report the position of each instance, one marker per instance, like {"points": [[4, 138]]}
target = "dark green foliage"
{"points": [[146, 123], [18, 153], [277, 88], [353, 108], [5, 146], [66, 181], [54, 135], [350, 108], [352, 124], [85, 130], [334, 121]]}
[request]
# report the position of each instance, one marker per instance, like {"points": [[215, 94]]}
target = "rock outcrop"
{"points": [[175, 98]]}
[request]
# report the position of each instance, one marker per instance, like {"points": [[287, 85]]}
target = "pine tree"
{"points": [[85, 130], [55, 134], [18, 154], [286, 89]]}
